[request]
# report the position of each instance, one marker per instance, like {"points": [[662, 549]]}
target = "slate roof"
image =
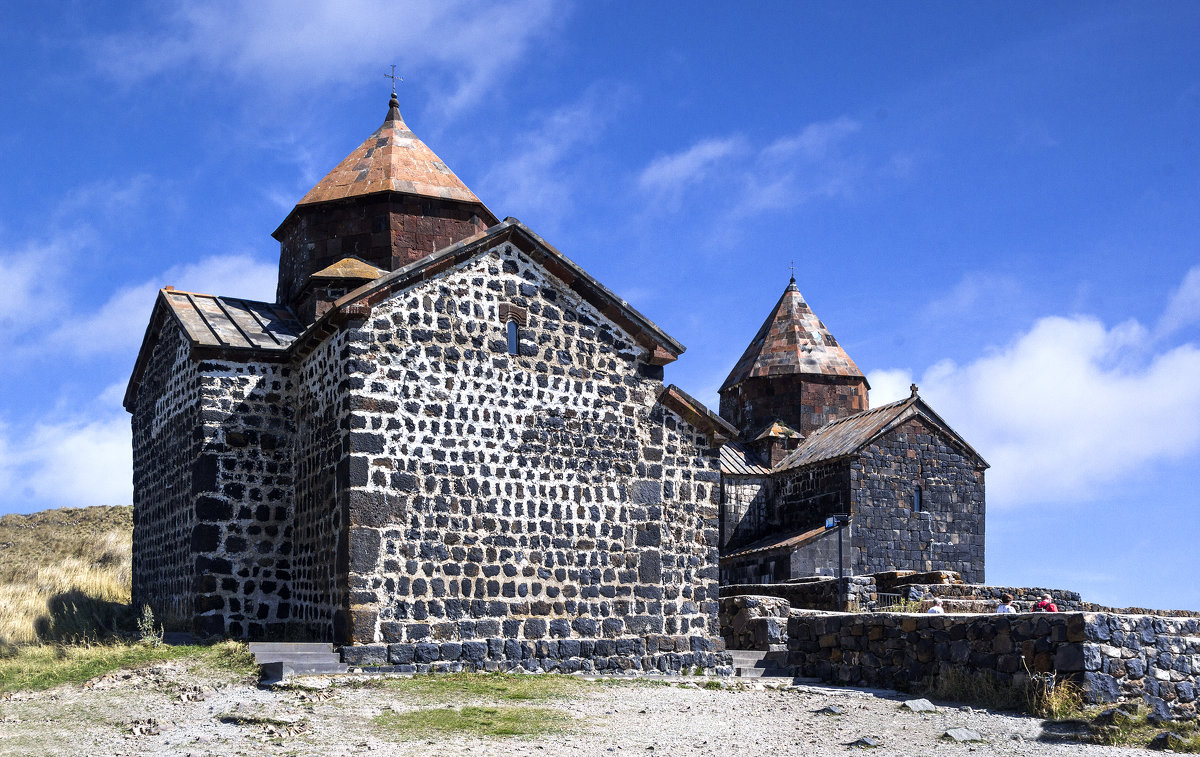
{"points": [[791, 341], [776, 541], [736, 460], [230, 322], [392, 159], [846, 436]]}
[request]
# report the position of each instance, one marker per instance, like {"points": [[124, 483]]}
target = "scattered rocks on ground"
{"points": [[919, 705], [962, 735]]}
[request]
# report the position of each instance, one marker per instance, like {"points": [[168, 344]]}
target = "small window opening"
{"points": [[514, 338], [916, 499]]}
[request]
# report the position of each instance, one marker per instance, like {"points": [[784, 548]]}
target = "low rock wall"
{"points": [[750, 622], [816, 594], [1023, 597], [1111, 657], [648, 654]]}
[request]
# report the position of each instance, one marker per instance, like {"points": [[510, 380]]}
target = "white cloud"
{"points": [[458, 47], [1066, 408], [118, 325], [73, 463], [814, 142], [1183, 308], [668, 175], [32, 276]]}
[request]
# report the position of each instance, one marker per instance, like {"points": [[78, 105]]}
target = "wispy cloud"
{"points": [[117, 326], [786, 172], [536, 180], [1067, 407], [461, 48], [667, 176], [1183, 308]]}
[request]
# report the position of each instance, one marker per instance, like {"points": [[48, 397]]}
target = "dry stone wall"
{"points": [[1111, 657]]}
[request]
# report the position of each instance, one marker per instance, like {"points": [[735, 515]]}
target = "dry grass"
{"points": [[64, 574]]}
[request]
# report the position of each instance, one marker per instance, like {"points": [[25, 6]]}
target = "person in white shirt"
{"points": [[937, 607], [1005, 605]]}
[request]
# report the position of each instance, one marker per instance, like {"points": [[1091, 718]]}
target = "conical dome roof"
{"points": [[390, 160], [792, 340]]}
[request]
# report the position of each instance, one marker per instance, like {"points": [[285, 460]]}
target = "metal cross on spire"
{"points": [[792, 266], [394, 78]]}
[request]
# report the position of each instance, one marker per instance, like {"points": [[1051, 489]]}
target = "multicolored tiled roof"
{"points": [[392, 159], [792, 340]]}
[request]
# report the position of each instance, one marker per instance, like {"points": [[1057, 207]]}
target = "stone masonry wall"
{"points": [[321, 560], [803, 401], [1111, 657], [164, 453], [242, 542], [948, 532], [807, 496], [746, 502], [387, 231], [539, 511]]}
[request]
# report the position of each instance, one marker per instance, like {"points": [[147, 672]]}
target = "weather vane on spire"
{"points": [[394, 78]]}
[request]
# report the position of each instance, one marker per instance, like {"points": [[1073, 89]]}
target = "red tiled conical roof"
{"points": [[792, 340], [390, 160]]}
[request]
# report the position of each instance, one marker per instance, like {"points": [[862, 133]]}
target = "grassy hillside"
{"points": [[64, 574]]}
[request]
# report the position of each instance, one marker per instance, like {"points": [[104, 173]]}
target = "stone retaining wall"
{"points": [[1111, 657], [749, 622], [818, 593], [1023, 597], [648, 654]]}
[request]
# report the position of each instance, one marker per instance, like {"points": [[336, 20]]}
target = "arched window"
{"points": [[916, 499], [514, 338]]}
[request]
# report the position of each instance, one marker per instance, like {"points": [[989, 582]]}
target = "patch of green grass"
{"points": [[37, 667], [476, 721]]}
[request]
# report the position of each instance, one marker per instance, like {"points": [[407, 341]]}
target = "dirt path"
{"points": [[168, 710]]}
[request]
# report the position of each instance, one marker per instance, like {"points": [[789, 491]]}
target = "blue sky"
{"points": [[999, 201]]}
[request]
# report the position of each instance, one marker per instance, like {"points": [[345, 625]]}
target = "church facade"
{"points": [[444, 434]]}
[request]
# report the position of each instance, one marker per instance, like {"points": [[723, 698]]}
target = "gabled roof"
{"points": [[848, 435], [349, 268], [792, 340], [777, 429], [663, 349], [390, 160], [218, 323], [272, 332]]}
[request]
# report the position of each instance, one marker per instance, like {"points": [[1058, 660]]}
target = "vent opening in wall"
{"points": [[916, 499]]}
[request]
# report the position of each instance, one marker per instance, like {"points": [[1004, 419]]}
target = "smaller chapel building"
{"points": [[904, 489]]}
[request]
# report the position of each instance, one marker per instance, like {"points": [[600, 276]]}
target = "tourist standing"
{"points": [[1005, 605], [1045, 604]]}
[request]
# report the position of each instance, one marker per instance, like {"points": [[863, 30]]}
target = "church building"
{"points": [[444, 433]]}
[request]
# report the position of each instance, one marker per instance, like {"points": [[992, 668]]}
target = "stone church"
{"points": [[443, 429]]}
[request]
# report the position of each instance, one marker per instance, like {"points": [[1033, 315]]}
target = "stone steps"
{"points": [[759, 663], [280, 660]]}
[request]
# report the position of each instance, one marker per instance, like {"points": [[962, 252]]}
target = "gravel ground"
{"points": [[169, 710]]}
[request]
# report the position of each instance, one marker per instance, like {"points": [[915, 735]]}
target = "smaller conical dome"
{"points": [[792, 341], [390, 160]]}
